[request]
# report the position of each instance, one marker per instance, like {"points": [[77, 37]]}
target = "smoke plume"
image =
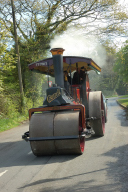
{"points": [[76, 43]]}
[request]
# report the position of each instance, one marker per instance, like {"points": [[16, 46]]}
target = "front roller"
{"points": [[96, 110], [56, 133]]}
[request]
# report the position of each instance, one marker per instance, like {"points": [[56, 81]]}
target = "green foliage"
{"points": [[33, 86], [107, 80], [8, 106], [121, 64], [9, 85], [123, 96], [9, 98], [114, 74], [8, 79], [121, 68], [37, 24], [8, 123], [38, 21], [7, 62]]}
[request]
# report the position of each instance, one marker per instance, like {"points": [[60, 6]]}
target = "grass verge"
{"points": [[123, 102], [123, 96], [109, 96], [8, 123]]}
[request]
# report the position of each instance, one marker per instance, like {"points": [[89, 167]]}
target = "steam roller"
{"points": [[70, 112]]}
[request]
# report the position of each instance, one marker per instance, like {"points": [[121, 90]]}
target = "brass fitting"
{"points": [[57, 51]]}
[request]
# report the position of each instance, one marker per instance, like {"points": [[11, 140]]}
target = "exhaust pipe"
{"points": [[57, 54]]}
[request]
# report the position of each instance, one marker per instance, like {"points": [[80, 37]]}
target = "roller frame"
{"points": [[80, 107]]}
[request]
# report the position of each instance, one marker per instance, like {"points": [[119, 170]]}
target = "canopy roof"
{"points": [[45, 66]]}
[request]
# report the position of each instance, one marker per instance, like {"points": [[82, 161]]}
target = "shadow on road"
{"points": [[19, 154], [119, 112], [122, 115], [117, 172]]}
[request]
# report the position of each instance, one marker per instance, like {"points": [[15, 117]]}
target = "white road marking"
{"points": [[3, 173], [30, 153]]}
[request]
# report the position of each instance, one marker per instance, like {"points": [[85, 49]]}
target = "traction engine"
{"points": [[70, 112]]}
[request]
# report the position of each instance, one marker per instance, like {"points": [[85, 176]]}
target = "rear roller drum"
{"points": [[56, 124], [96, 109]]}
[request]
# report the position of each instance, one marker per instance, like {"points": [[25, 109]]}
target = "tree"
{"points": [[121, 67], [121, 64], [107, 80], [39, 20], [18, 56], [8, 78], [7, 60]]}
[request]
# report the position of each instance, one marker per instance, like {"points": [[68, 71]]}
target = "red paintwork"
{"points": [[87, 87], [79, 107], [76, 90], [78, 93]]}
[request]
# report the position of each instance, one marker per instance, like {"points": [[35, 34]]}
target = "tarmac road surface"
{"points": [[103, 167]]}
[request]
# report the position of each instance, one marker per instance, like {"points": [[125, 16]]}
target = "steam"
{"points": [[76, 43]]}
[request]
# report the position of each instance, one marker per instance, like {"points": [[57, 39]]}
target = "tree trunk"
{"points": [[18, 58]]}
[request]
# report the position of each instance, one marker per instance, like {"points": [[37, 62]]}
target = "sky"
{"points": [[124, 2], [76, 43], [120, 40]]}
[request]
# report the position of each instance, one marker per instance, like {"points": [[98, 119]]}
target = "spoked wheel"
{"points": [[96, 109], [62, 125]]}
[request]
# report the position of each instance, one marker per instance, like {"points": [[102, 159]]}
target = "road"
{"points": [[103, 167]]}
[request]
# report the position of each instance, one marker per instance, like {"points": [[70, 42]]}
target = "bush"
{"points": [[8, 107], [109, 93]]}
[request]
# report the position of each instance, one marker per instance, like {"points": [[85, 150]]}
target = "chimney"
{"points": [[57, 54]]}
